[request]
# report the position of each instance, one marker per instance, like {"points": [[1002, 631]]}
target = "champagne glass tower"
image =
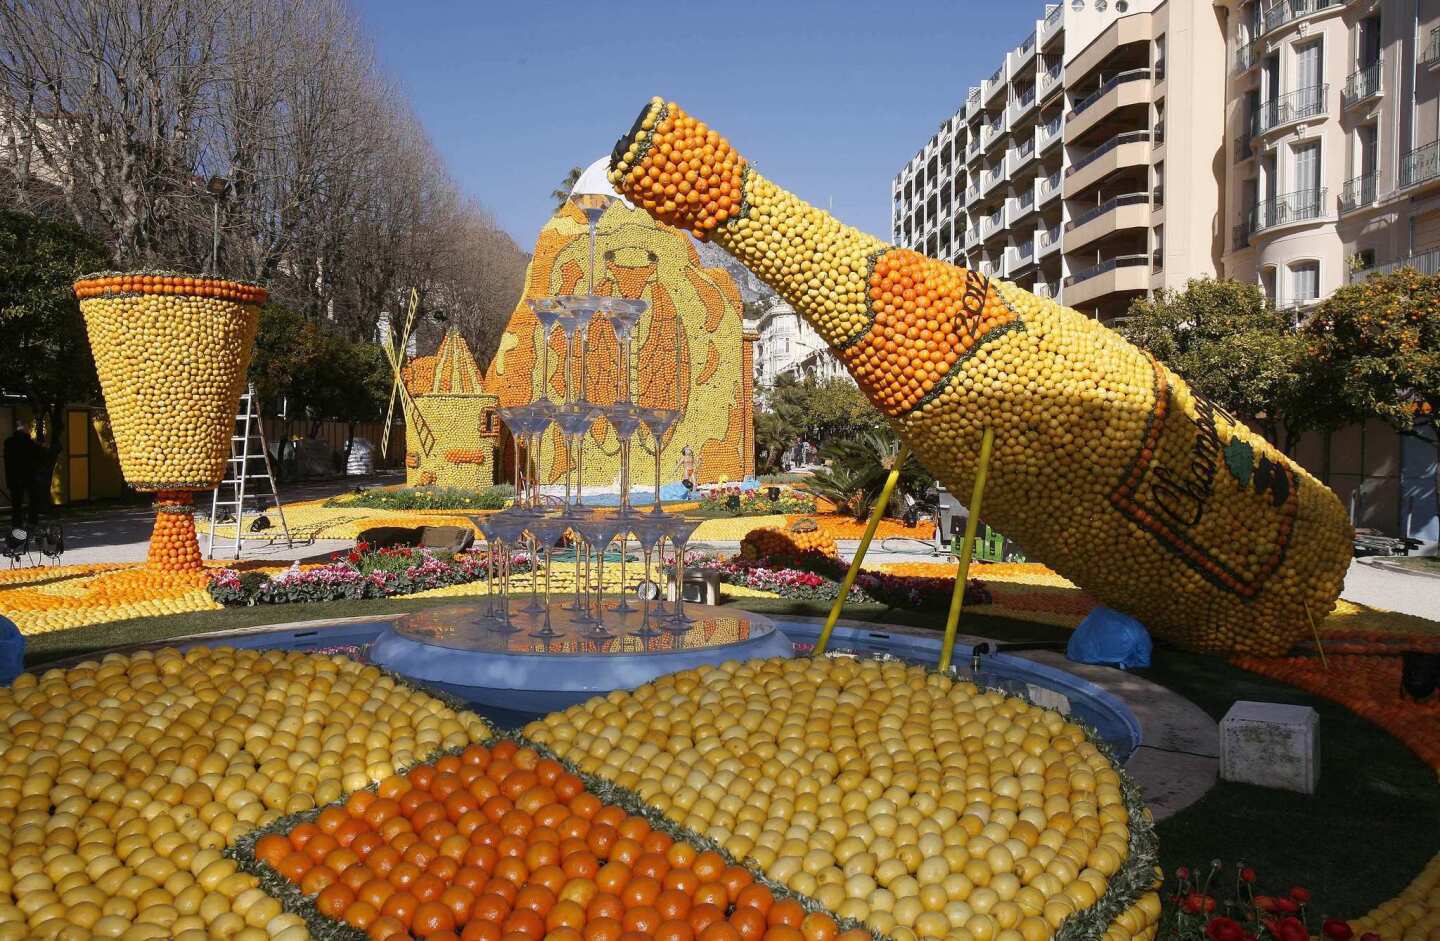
{"points": [[536, 521]]}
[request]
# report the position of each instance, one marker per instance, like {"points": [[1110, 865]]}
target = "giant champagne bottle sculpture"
{"points": [[1106, 466]]}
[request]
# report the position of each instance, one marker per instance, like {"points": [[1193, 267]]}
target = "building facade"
{"points": [[1052, 172], [786, 344], [1301, 142], [1334, 164]]}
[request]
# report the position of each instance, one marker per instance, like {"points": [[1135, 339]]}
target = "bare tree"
{"points": [[116, 114]]}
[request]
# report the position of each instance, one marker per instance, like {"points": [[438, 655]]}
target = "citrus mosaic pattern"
{"points": [[922, 806], [56, 598], [127, 777], [500, 841], [1190, 521], [171, 351], [694, 307], [448, 392]]}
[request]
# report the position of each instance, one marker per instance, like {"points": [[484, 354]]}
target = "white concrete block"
{"points": [[1271, 745]]}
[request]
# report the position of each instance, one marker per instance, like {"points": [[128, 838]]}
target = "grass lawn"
{"points": [[1370, 828]]}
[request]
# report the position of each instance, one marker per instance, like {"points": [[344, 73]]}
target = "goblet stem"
{"points": [[656, 507], [624, 606], [679, 548]]}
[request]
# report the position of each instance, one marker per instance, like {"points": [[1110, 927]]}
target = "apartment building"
{"points": [[1334, 164], [786, 344], [1123, 147], [1052, 172]]}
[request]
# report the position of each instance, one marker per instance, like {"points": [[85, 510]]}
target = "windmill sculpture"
{"points": [[395, 351]]}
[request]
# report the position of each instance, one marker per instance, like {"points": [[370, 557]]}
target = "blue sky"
{"points": [[828, 99]]}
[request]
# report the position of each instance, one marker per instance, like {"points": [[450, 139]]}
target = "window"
{"points": [[1366, 155], [1305, 167], [1159, 55], [1305, 281], [1267, 283], [1307, 69], [1367, 42]]}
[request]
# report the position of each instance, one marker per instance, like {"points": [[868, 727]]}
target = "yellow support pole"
{"points": [[876, 514], [1315, 632], [967, 548]]}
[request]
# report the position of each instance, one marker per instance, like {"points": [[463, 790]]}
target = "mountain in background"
{"points": [[756, 294]]}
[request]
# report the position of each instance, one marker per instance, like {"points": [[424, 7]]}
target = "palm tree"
{"points": [[563, 193], [857, 472]]}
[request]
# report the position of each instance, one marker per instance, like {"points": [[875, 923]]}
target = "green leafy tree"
{"points": [[44, 353], [1376, 343], [807, 410], [1233, 347], [562, 192], [318, 373]]}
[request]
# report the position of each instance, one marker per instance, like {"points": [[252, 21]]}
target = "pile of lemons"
{"points": [[919, 804], [123, 779], [1106, 466]]}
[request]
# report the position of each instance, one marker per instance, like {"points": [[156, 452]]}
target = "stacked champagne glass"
{"points": [[533, 530]]}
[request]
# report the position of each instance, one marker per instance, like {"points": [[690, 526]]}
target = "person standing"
{"points": [[22, 460]]}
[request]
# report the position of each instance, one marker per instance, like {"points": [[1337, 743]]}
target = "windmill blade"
{"points": [[395, 353]]}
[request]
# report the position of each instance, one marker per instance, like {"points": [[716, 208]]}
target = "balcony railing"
{"points": [[1427, 263], [1297, 105], [1133, 75], [1121, 261], [1020, 255], [1431, 52], [1020, 105], [1049, 186], [1049, 77], [995, 76], [1358, 191], [1129, 137], [973, 147], [1361, 84], [1048, 132], [1247, 56], [1052, 16], [1109, 205], [1287, 10], [1420, 164], [1298, 206], [1048, 239]]}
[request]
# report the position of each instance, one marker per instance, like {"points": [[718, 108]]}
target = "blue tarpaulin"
{"points": [[1109, 638], [12, 651]]}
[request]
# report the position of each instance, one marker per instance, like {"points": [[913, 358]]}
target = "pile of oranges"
{"points": [[171, 352], [501, 844], [168, 282], [1106, 465], [684, 174], [173, 544], [785, 546]]}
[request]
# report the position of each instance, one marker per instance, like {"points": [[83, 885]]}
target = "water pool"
{"points": [[1109, 717]]}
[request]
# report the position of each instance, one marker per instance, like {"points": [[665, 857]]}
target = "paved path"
{"points": [[123, 534], [1374, 583]]}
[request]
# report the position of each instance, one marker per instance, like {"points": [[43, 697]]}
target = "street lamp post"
{"points": [[218, 188]]}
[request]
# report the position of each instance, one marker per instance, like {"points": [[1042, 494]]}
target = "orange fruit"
{"points": [[333, 900], [431, 918]]}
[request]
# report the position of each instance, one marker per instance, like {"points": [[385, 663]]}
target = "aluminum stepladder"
{"points": [[240, 471]]}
